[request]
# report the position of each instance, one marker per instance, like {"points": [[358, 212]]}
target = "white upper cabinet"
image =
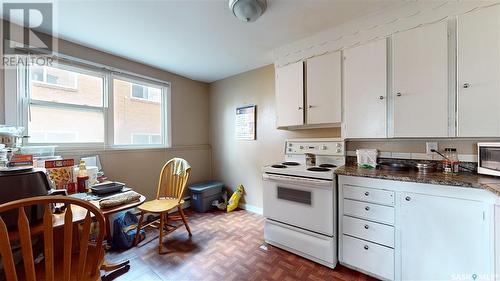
{"points": [[479, 73], [323, 89], [442, 238], [290, 95], [365, 88], [420, 73]]}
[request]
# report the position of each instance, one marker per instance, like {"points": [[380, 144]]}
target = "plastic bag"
{"points": [[235, 198]]}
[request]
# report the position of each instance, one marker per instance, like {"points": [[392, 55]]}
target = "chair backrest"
{"points": [[173, 179], [90, 257]]}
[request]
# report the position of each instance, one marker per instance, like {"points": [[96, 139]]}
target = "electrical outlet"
{"points": [[430, 146]]}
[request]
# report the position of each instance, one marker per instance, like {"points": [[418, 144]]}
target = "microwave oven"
{"points": [[488, 158]]}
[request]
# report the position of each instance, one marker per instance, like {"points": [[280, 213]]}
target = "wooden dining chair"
{"points": [[81, 265], [171, 184]]}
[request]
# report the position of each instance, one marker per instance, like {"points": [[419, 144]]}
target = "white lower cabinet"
{"points": [[428, 232], [443, 238], [497, 242]]}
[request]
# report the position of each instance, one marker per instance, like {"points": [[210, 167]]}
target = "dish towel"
{"points": [[180, 166]]}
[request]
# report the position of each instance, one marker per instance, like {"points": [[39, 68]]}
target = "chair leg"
{"points": [[181, 212], [161, 233], [139, 225]]}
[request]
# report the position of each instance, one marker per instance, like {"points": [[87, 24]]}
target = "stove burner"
{"points": [[327, 166], [318, 169], [291, 163], [278, 166]]}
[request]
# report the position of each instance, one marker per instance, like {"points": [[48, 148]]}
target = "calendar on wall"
{"points": [[246, 122]]}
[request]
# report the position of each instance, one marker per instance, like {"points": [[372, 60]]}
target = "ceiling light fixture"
{"points": [[247, 10]]}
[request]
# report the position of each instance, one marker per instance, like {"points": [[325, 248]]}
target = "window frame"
{"points": [[23, 102]]}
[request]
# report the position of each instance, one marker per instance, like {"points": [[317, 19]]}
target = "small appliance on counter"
{"points": [[488, 158]]}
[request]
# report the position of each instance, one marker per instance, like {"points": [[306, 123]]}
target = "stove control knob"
{"points": [[339, 150], [324, 147], [339, 145], [301, 147]]}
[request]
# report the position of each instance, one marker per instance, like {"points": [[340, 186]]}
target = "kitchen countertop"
{"points": [[463, 179]]}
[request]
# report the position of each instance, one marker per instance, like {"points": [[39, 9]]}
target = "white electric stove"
{"points": [[300, 201]]}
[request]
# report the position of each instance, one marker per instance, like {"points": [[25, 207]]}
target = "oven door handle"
{"points": [[298, 180]]}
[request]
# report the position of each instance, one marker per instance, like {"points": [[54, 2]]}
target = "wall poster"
{"points": [[246, 122]]}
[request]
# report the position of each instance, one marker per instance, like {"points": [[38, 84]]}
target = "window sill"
{"points": [[86, 150]]}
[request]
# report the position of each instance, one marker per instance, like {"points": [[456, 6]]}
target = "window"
{"points": [[136, 122], [146, 93], [146, 139], [54, 77], [64, 114], [80, 105]]}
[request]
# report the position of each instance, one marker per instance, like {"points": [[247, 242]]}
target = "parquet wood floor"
{"points": [[223, 247]]}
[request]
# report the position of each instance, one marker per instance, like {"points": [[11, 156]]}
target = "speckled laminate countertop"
{"points": [[466, 180]]}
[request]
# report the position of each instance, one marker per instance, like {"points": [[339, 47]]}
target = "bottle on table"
{"points": [[451, 163], [82, 178]]}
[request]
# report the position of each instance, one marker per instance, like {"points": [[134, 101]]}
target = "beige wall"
{"points": [[240, 162], [189, 125]]}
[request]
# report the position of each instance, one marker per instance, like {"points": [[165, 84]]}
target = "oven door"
{"points": [[301, 202]]}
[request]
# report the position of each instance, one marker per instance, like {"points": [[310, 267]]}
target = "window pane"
{"points": [[64, 86], [136, 120], [61, 125], [137, 91]]}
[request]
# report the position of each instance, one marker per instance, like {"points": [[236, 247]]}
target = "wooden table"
{"points": [[79, 215]]}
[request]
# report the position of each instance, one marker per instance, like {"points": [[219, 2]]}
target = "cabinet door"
{"points": [[421, 82], [365, 85], [323, 89], [497, 242], [290, 95], [443, 238], [478, 73]]}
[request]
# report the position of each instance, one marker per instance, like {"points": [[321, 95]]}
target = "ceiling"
{"points": [[199, 39]]}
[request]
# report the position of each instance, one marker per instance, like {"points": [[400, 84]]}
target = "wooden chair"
{"points": [[171, 184], [83, 265]]}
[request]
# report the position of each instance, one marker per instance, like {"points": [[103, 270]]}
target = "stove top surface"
{"points": [[301, 170]]}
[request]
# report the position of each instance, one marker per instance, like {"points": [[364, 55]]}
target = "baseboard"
{"points": [[251, 208]]}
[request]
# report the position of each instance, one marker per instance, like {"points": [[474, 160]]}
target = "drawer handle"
{"points": [[408, 198], [367, 193], [367, 208], [367, 226], [366, 247]]}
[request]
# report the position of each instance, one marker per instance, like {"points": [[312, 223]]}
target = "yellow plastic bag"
{"points": [[235, 198]]}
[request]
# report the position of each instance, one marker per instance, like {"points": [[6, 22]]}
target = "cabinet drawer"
{"points": [[371, 231], [384, 197], [369, 257], [379, 213]]}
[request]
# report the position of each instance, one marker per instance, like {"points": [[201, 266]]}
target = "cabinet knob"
{"points": [[366, 247], [381, 97], [300, 107], [367, 226], [367, 193], [367, 208], [311, 106], [407, 198], [466, 85], [398, 94]]}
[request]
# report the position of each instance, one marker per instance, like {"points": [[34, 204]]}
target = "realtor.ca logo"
{"points": [[28, 37]]}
